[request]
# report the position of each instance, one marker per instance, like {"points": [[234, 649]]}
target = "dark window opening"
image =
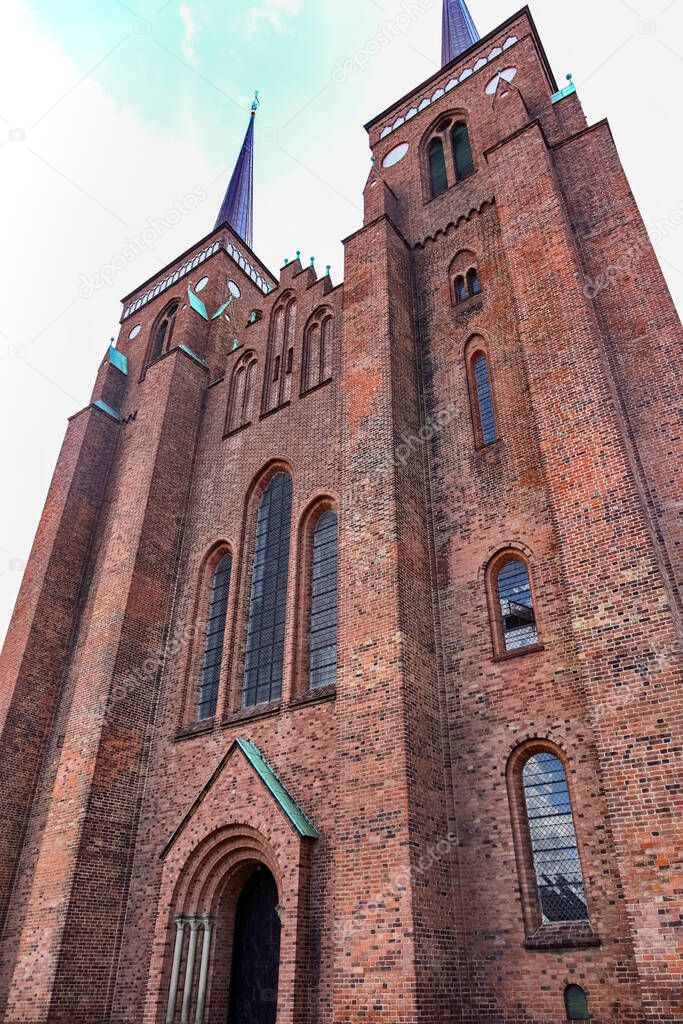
{"points": [[276, 369], [437, 167], [323, 622], [516, 606], [460, 289], [473, 286], [555, 853], [462, 151], [214, 638], [484, 400], [290, 359], [164, 331], [266, 625], [576, 1003]]}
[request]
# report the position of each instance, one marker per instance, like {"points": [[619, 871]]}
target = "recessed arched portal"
{"points": [[255, 952]]}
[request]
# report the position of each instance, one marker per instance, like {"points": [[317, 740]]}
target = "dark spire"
{"points": [[458, 30], [237, 208]]}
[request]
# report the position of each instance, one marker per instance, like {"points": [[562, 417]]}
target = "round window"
{"points": [[395, 154], [234, 289], [135, 331], [202, 284]]}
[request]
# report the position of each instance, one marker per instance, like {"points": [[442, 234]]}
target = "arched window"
{"points": [[323, 620], [576, 1003], [317, 361], [462, 151], [554, 850], [278, 379], [266, 624], [242, 393], [163, 331], [473, 287], [518, 619], [460, 289], [482, 381], [437, 167], [213, 639]]}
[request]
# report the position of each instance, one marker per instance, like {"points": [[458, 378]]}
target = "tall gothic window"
{"points": [[242, 393], [278, 378], [317, 361], [437, 167], [462, 151], [323, 621], [557, 869], [516, 606], [266, 624], [214, 638], [163, 332], [482, 382]]}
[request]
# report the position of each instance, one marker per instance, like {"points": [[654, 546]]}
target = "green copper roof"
{"points": [[99, 404], [258, 762], [287, 803], [118, 359]]}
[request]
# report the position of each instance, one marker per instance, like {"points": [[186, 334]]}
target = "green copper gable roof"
{"points": [[283, 798], [287, 803]]}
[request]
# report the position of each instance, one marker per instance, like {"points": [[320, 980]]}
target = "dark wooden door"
{"points": [[256, 953]]}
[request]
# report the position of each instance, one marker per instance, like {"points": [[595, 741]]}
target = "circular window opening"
{"points": [[234, 289], [202, 284], [135, 331], [396, 154]]}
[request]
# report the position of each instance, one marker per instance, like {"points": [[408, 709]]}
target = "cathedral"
{"points": [[344, 681]]}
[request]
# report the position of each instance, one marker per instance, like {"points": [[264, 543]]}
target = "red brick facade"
{"points": [[418, 900]]}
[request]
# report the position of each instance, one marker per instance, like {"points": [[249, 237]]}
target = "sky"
{"points": [[117, 117]]}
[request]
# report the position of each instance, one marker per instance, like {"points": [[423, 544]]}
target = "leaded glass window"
{"points": [[266, 624], [555, 853], [214, 637], [484, 400], [473, 286], [576, 1003], [516, 606], [323, 625], [462, 151], [460, 289], [437, 167]]}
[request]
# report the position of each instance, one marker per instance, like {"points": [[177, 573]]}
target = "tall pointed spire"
{"points": [[237, 208], [458, 30]]}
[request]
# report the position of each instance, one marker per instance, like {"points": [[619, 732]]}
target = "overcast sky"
{"points": [[113, 113]]}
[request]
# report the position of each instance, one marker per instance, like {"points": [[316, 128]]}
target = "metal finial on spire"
{"points": [[458, 30], [237, 208]]}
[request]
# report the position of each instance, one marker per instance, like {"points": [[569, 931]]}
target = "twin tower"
{"points": [[344, 682]]}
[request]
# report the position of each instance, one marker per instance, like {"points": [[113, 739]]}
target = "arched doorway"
{"points": [[256, 952]]}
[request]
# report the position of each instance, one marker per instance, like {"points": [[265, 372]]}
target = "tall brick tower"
{"points": [[344, 681]]}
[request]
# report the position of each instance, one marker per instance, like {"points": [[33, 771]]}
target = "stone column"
{"points": [[189, 970], [175, 970], [204, 968]]}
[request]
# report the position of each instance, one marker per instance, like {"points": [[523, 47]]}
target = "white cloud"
{"points": [[272, 13], [191, 28]]}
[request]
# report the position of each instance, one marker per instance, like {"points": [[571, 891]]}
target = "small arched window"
{"points": [[482, 382], [460, 289], [317, 361], [462, 151], [473, 287], [266, 622], [323, 620], [242, 393], [213, 639], [576, 1003], [437, 167], [554, 850], [517, 614], [163, 331], [278, 379]]}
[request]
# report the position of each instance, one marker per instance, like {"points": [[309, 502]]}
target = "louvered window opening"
{"points": [[554, 848], [214, 638], [323, 624], [485, 402], [266, 625], [516, 606]]}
